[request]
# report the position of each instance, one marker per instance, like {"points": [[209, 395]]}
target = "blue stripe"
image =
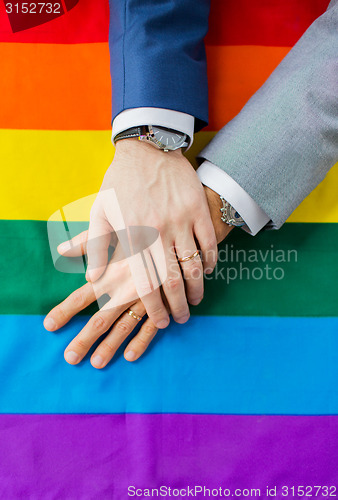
{"points": [[226, 365]]}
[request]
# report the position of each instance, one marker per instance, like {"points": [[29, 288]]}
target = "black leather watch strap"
{"points": [[130, 132], [147, 133]]}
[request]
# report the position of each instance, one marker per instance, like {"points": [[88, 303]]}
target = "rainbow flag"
{"points": [[244, 396]]}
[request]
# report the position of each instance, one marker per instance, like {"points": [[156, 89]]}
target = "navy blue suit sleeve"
{"points": [[157, 56]]}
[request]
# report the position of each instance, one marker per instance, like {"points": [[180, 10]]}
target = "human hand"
{"points": [[117, 280], [214, 202], [162, 191], [118, 284]]}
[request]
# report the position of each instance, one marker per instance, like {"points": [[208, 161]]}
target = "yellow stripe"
{"points": [[322, 204], [43, 171]]}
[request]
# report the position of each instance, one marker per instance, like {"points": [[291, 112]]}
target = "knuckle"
{"points": [[195, 200], [78, 298], [121, 270], [173, 283], [99, 323], [82, 344], [193, 276], [157, 311], [195, 205], [180, 218], [123, 327], [155, 222], [142, 342], [148, 330], [107, 348]]}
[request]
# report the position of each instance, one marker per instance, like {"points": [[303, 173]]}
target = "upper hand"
{"points": [[162, 191]]}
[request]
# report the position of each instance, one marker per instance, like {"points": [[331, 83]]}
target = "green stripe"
{"points": [[31, 285]]}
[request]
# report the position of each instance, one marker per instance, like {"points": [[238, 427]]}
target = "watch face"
{"points": [[168, 139], [235, 217]]}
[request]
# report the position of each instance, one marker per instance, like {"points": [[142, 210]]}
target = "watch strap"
{"points": [[145, 132], [130, 132]]}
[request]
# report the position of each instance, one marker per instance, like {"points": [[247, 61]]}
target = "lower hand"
{"points": [[116, 281]]}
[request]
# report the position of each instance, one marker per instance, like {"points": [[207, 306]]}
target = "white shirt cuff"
{"points": [[219, 181], [176, 120]]}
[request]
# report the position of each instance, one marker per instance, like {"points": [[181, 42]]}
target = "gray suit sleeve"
{"points": [[285, 139]]}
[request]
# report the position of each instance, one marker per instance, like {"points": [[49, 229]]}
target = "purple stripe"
{"points": [[99, 456]]}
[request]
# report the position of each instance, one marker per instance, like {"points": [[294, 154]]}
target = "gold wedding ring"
{"points": [[192, 256], [134, 315]]}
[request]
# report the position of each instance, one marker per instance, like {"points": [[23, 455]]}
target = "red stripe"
{"points": [[86, 22], [261, 22], [64, 5], [232, 22]]}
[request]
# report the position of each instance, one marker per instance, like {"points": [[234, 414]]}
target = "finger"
{"points": [[98, 324], [147, 287], [173, 288], [119, 332], [74, 303], [192, 268], [155, 309], [206, 237], [99, 237], [139, 344], [75, 247]]}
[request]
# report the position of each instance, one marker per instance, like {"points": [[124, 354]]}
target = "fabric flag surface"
{"points": [[244, 396]]}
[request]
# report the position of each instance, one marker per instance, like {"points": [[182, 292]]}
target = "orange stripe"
{"points": [[55, 87], [235, 73], [67, 87]]}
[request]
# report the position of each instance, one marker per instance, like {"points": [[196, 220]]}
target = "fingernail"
{"points": [[208, 271], [64, 247], [130, 355], [184, 319], [97, 361], [195, 302], [49, 324], [72, 357], [163, 324]]}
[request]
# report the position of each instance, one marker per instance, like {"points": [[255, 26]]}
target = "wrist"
{"points": [[124, 144], [221, 228]]}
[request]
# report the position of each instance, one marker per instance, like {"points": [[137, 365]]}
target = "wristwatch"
{"points": [[229, 215], [163, 138]]}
